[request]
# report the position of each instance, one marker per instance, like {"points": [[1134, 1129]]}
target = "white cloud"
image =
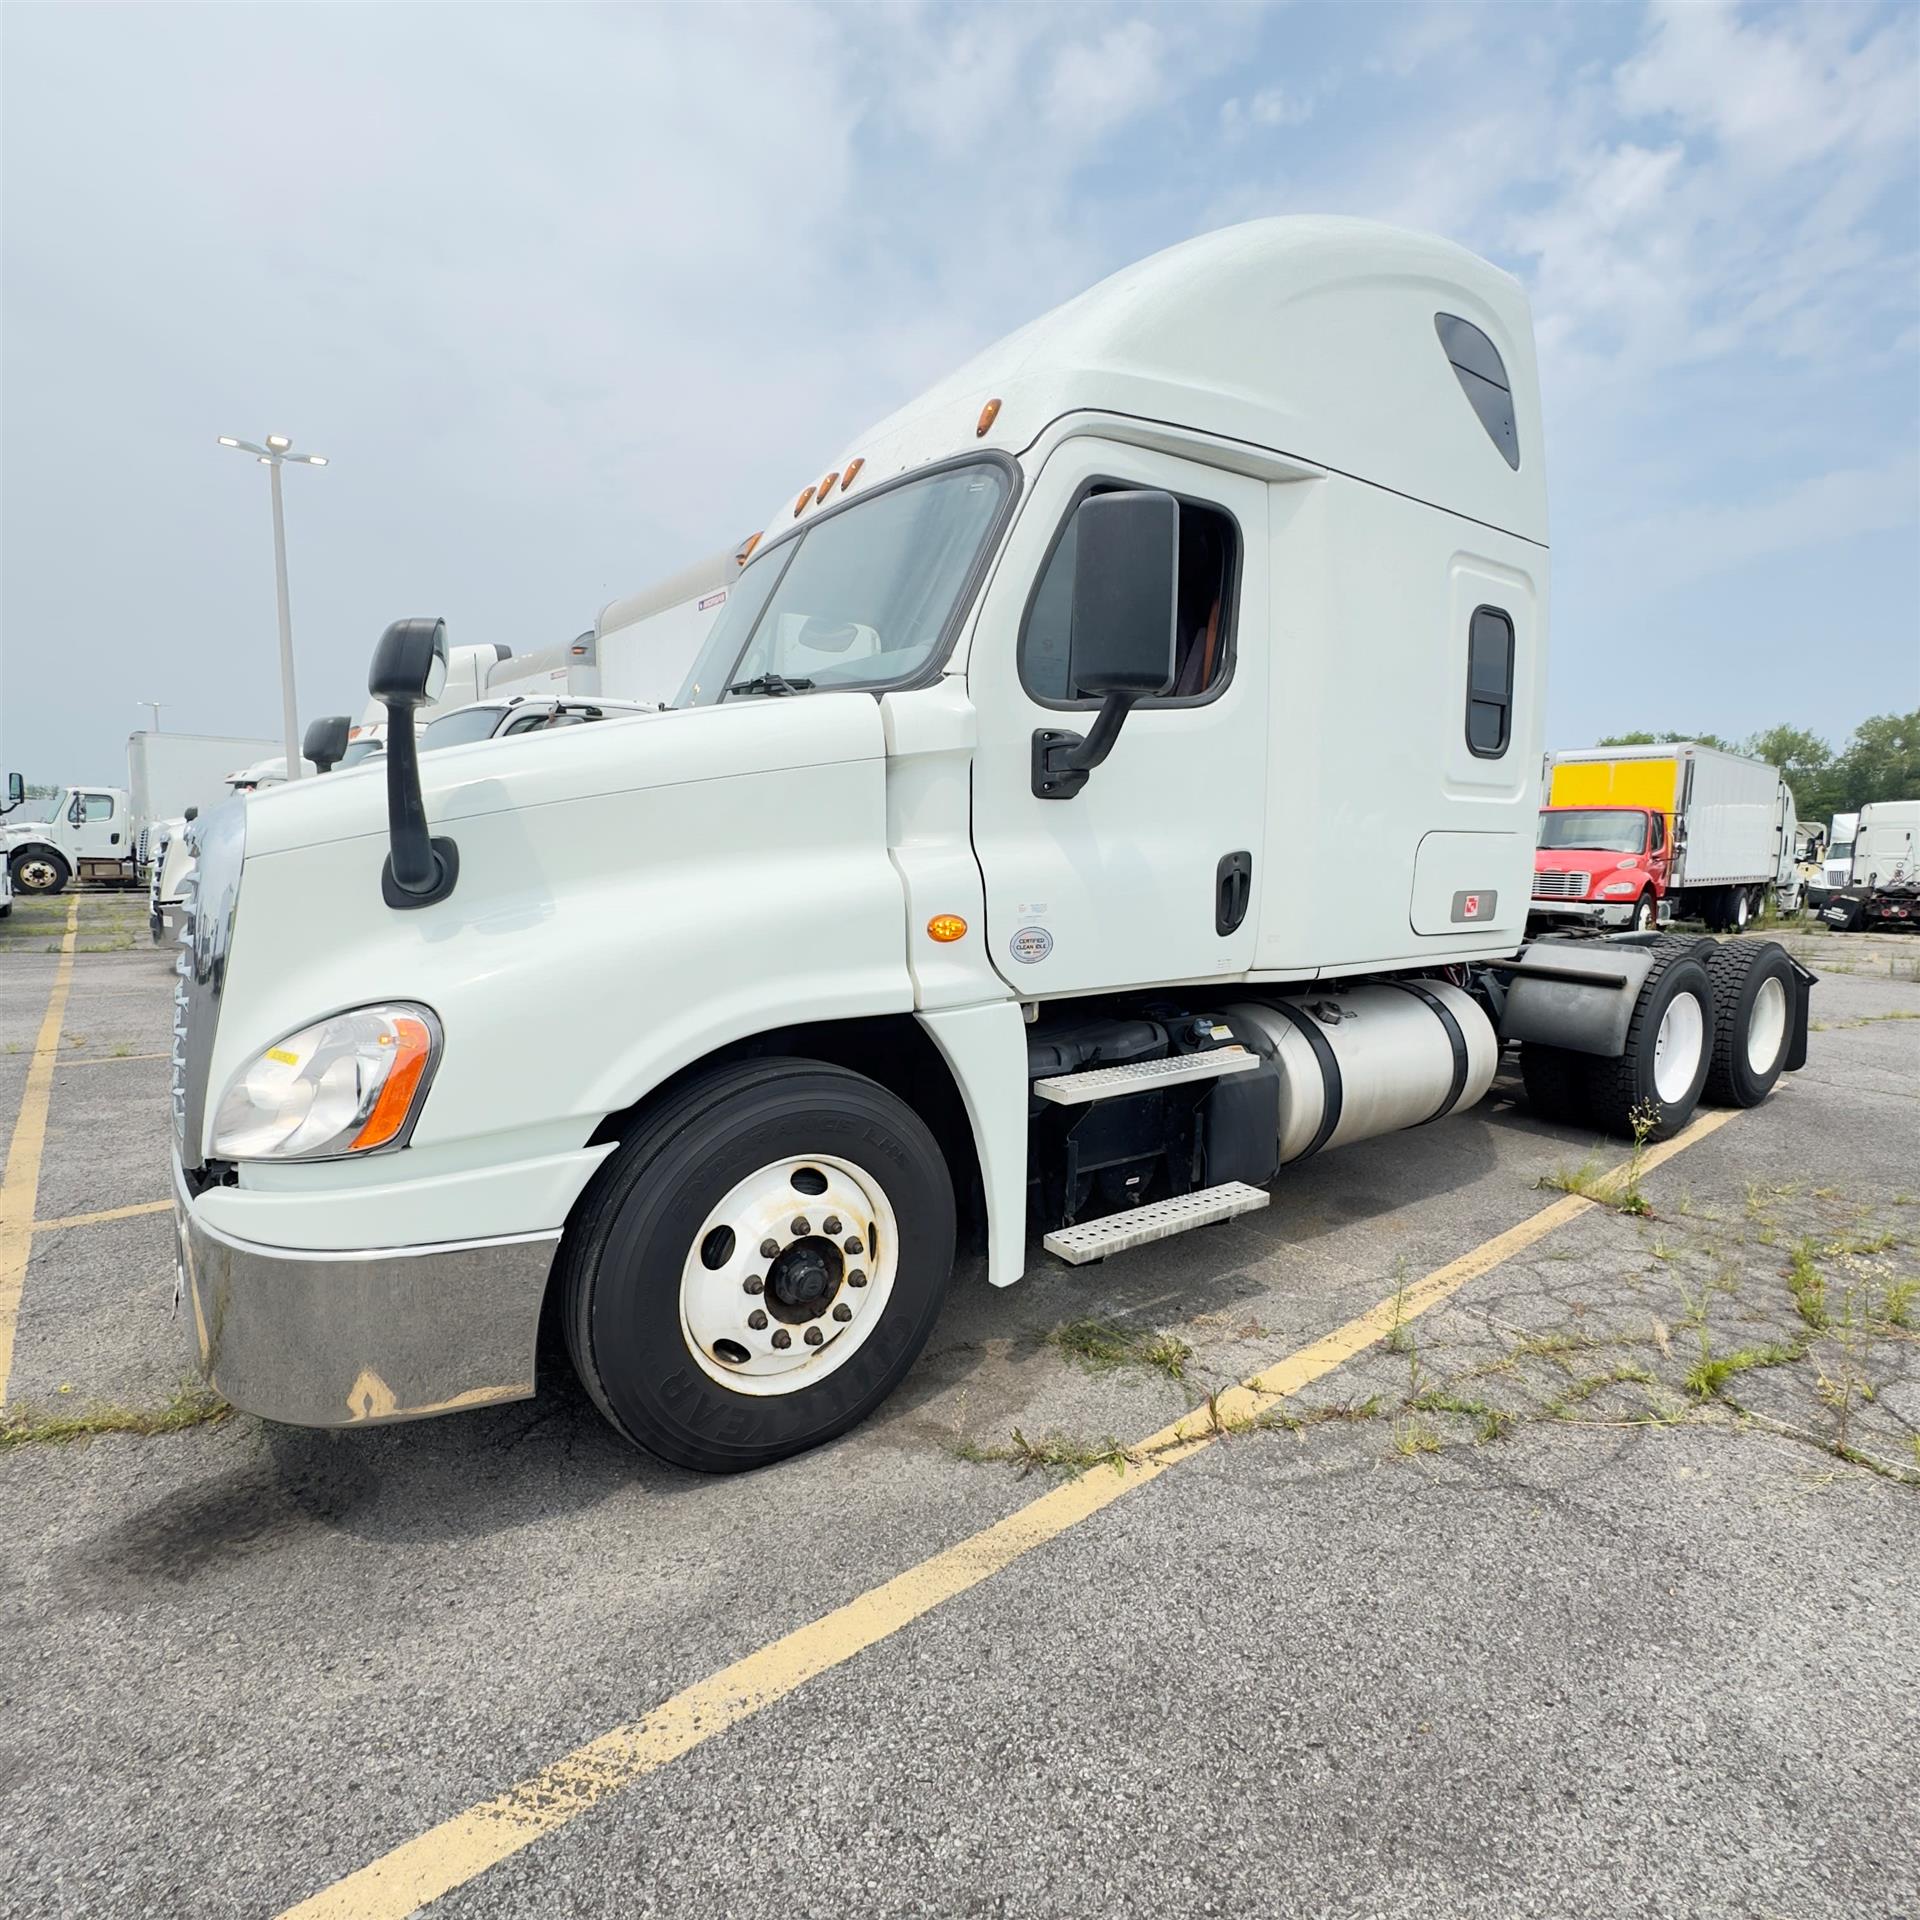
{"points": [[1097, 84], [1270, 107]]}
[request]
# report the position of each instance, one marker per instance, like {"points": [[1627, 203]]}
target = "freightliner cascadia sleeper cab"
{"points": [[965, 891]]}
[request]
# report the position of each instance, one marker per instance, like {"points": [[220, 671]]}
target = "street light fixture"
{"points": [[278, 452], [156, 705]]}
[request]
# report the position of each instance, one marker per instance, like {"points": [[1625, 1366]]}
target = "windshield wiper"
{"points": [[770, 683]]}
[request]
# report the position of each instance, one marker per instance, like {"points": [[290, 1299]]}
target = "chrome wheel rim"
{"points": [[1767, 1026], [788, 1275], [1677, 1047], [1740, 913], [35, 876]]}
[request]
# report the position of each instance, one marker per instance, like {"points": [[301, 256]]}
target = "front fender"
{"points": [[597, 941]]}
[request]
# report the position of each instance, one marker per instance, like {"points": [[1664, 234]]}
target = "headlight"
{"points": [[1621, 886], [352, 1084]]}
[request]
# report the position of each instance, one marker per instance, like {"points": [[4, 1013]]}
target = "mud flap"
{"points": [[1803, 986]]}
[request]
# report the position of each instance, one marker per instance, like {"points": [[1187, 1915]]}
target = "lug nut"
{"points": [[783, 1338], [769, 1249], [756, 1319], [843, 1311], [799, 1226], [853, 1245], [754, 1283], [855, 1278], [813, 1336], [831, 1224]]}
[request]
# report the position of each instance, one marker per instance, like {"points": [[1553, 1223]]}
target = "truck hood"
{"points": [[526, 771]]}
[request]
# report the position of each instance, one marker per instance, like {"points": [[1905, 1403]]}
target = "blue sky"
{"points": [[569, 295]]}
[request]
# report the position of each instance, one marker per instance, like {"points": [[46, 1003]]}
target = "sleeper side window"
{"points": [[1489, 683], [1204, 615]]}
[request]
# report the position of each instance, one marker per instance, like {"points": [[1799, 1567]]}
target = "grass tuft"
{"points": [[190, 1405], [1103, 1347]]}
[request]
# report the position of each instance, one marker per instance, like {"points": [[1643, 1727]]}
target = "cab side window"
{"points": [[89, 807], [1658, 840], [1204, 616], [1489, 683]]}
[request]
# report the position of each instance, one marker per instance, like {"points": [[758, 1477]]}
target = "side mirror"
{"points": [[1126, 578], [326, 741], [191, 815], [409, 671], [16, 792]]}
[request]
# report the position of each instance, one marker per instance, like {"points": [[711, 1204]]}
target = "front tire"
{"points": [[784, 1192], [1643, 914], [38, 873]]}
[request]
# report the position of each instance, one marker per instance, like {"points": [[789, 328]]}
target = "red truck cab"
{"points": [[1601, 866]]}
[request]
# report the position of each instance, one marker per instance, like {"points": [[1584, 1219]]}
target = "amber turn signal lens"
{"points": [[800, 505], [413, 1048], [846, 479], [745, 554], [946, 927], [988, 415], [826, 486]]}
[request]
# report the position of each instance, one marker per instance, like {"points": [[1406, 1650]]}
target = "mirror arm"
{"points": [[1062, 761], [420, 869]]}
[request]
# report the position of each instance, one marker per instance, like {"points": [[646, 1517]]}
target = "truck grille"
{"points": [[1561, 886], [159, 861], [209, 895]]}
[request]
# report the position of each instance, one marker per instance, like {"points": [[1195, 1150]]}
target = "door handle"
{"points": [[1233, 889]]}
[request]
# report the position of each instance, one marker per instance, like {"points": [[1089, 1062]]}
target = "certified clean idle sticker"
{"points": [[1030, 944]]}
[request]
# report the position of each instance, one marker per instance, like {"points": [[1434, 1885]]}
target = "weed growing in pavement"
{"points": [[1411, 1437], [1708, 1378], [1896, 1302], [1490, 1423], [1102, 1347], [190, 1405], [1806, 1284], [1052, 1453], [1398, 1338], [1851, 1245]]}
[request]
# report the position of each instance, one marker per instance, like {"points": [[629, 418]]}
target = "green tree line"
{"points": [[1880, 762]]}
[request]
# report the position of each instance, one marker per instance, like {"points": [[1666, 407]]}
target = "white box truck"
{"points": [[1631, 835], [105, 834], [1881, 891], [965, 897]]}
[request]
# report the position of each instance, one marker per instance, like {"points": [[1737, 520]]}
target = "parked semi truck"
{"points": [[1836, 860], [1634, 836], [104, 834], [1881, 890], [962, 899]]}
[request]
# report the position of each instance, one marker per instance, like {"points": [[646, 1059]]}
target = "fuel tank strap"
{"points": [[1330, 1081], [1455, 1039]]}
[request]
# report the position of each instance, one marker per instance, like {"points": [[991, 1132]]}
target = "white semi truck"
{"points": [[963, 898], [105, 834], [1881, 889]]}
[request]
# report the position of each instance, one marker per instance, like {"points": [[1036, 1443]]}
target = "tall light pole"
{"points": [[273, 456], [156, 705]]}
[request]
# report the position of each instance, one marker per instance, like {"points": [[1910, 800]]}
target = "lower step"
{"points": [[1159, 1220]]}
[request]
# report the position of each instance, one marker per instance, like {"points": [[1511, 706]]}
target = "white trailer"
{"points": [[1730, 821], [646, 644], [963, 895]]}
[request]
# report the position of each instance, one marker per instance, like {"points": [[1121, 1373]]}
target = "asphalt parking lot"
{"points": [[1565, 1565]]}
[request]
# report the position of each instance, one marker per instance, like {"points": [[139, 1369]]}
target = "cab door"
{"points": [[95, 829], [1151, 871]]}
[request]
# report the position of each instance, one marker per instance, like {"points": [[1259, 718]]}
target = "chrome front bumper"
{"points": [[344, 1339], [1590, 913]]}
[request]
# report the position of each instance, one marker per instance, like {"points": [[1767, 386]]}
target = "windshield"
{"points": [[1840, 849], [39, 807], [1595, 830], [860, 599], [359, 750], [457, 728]]}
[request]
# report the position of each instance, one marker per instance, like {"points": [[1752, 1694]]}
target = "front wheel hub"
{"points": [[768, 1303]]}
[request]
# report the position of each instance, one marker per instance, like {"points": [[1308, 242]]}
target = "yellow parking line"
{"points": [[449, 1855], [20, 1186], [95, 1219]]}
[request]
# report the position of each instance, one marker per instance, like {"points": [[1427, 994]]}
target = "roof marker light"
{"points": [[826, 485], [800, 505], [988, 415], [846, 479], [745, 554]]}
